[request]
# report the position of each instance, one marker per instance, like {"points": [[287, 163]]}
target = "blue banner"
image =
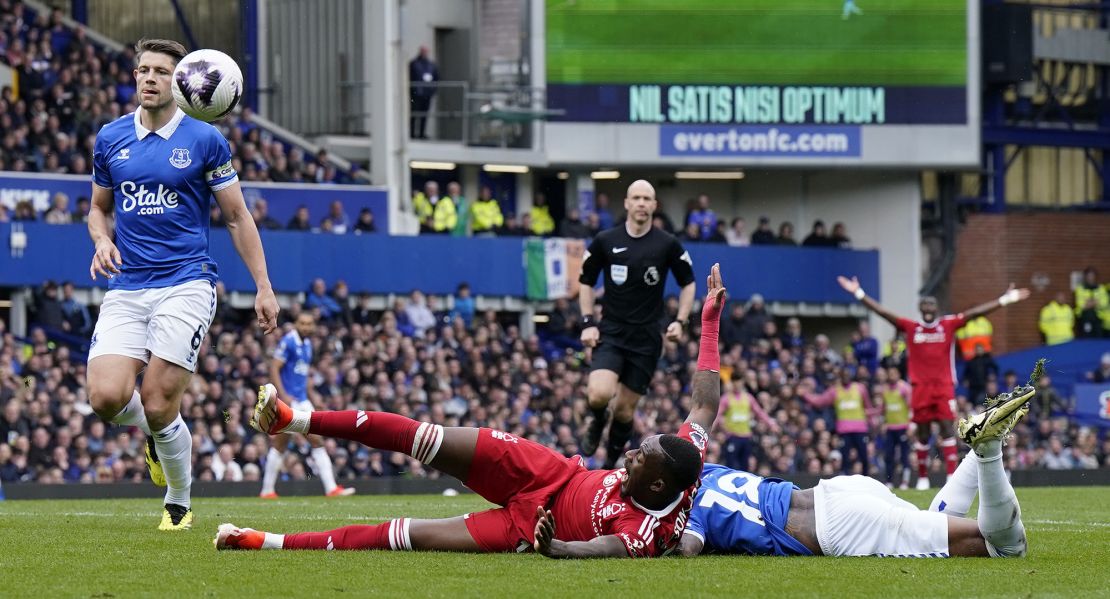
{"points": [[382, 263], [782, 141], [1092, 404], [283, 199]]}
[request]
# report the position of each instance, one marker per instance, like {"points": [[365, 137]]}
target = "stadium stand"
{"points": [[66, 87], [486, 374]]}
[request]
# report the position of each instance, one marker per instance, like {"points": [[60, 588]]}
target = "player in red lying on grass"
{"points": [[548, 502]]}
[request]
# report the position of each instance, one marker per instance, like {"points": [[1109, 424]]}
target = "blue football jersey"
{"points": [[739, 512], [162, 183], [297, 355]]}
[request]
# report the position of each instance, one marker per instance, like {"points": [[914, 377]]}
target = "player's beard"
{"points": [[158, 103]]}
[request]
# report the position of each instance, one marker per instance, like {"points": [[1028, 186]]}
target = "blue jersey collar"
{"points": [[165, 132]]}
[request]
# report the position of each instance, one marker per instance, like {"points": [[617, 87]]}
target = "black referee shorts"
{"points": [[635, 366]]}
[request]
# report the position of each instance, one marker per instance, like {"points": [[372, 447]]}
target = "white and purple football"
{"points": [[207, 84]]}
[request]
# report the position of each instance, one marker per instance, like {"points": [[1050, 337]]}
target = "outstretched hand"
{"points": [[1020, 294], [849, 285], [545, 531], [714, 296]]}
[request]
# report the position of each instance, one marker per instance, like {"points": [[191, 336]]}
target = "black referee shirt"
{"points": [[635, 270]]}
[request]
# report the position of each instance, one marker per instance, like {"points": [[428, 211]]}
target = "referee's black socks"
{"points": [[619, 433], [599, 413]]}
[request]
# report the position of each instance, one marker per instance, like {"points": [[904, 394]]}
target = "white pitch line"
{"points": [[1070, 523]]}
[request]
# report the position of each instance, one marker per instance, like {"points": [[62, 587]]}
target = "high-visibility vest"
{"points": [[422, 206], [1102, 302], [896, 412], [849, 404], [737, 419], [977, 331], [542, 223], [487, 215], [445, 218], [1057, 323]]}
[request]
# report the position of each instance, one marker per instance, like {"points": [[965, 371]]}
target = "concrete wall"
{"points": [[420, 19]]}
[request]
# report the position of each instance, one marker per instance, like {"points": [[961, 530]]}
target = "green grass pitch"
{"points": [[787, 42], [110, 548]]}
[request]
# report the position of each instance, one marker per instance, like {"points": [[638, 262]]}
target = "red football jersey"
{"points": [[931, 348], [590, 505]]}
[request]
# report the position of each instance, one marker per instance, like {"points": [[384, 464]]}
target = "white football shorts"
{"points": [[303, 405], [168, 322], [858, 515]]}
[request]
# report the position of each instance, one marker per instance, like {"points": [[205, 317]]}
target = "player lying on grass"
{"points": [[738, 512], [547, 501]]}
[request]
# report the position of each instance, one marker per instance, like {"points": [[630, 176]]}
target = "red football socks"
{"points": [[948, 450], [922, 452], [388, 432], [387, 535]]}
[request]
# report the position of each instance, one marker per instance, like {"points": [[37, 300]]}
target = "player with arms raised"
{"points": [[548, 502], [289, 371], [929, 344], [157, 171]]}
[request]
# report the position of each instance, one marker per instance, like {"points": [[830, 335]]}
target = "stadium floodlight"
{"points": [[727, 175], [428, 165], [505, 168], [605, 175]]}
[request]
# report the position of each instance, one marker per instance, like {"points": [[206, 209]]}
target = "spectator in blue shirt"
{"points": [[76, 314], [464, 305], [865, 347], [601, 208], [704, 217], [318, 298]]}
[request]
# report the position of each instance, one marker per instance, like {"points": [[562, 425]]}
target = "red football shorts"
{"points": [[519, 475], [933, 401]]}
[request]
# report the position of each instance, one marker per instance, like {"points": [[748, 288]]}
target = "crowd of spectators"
{"points": [[451, 213], [438, 359], [68, 87]]}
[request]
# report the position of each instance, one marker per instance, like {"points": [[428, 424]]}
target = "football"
{"points": [[207, 84]]}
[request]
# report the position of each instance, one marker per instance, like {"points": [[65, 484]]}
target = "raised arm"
{"points": [[707, 380], [1011, 296], [852, 286]]}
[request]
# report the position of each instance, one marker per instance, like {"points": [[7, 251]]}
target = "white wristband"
{"points": [[1009, 297], [859, 293]]}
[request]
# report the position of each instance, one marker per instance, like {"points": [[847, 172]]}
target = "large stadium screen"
{"points": [[731, 78]]}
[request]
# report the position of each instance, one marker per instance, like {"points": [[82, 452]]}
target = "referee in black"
{"points": [[635, 258]]}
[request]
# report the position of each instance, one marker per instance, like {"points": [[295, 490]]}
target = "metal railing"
{"points": [[488, 116]]}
